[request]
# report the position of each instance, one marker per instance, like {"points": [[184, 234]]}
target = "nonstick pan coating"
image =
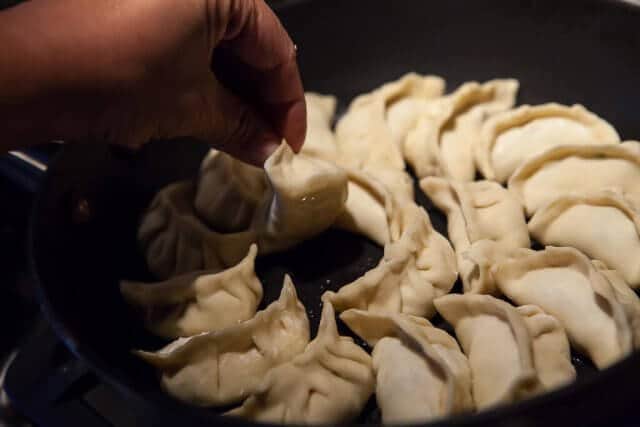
{"points": [[84, 225]]}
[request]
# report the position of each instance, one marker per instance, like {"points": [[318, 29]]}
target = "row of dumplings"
{"points": [[418, 371], [565, 169]]}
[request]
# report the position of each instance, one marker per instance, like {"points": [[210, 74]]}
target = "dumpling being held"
{"points": [[198, 302], [421, 373], [222, 367], [329, 383], [308, 195]]}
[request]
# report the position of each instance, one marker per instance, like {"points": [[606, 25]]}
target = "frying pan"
{"points": [[92, 198]]}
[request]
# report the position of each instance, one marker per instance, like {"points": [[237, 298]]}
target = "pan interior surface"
{"points": [[87, 214]]}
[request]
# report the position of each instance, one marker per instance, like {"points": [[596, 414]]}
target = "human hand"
{"points": [[127, 71]]}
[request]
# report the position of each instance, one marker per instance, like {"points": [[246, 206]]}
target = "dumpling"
{"points": [[481, 210], [398, 182], [222, 367], [510, 138], [308, 195], [369, 209], [496, 340], [366, 138], [330, 382], [551, 351], [228, 192], [627, 298], [441, 142], [406, 99], [477, 262], [603, 225], [564, 283], [415, 269], [570, 169], [175, 241], [198, 302], [304, 197], [420, 370], [369, 134], [320, 142]]}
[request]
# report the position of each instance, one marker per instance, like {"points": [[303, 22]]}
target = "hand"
{"points": [[127, 71]]}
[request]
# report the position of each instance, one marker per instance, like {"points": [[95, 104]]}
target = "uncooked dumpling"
{"points": [[366, 138], [222, 367], [481, 210], [441, 142], [565, 284], [478, 260], [398, 182], [228, 192], [369, 209], [198, 302], [329, 383], [308, 195], [420, 370], [175, 241], [416, 268], [577, 169], [304, 197], [603, 225], [406, 99], [510, 138], [627, 298], [551, 351], [496, 340], [320, 142]]}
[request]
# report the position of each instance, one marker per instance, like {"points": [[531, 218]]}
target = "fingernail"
{"points": [[296, 125]]}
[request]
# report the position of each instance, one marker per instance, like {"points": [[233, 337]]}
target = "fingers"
{"points": [[226, 122], [233, 126], [256, 37]]}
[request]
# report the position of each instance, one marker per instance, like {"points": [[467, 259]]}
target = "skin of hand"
{"points": [[129, 71]]}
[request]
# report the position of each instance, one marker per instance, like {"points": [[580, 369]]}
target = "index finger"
{"points": [[255, 35]]}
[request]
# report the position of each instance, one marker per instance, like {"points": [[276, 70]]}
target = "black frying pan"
{"points": [[86, 216]]}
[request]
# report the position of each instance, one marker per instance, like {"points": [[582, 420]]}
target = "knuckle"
{"points": [[239, 130]]}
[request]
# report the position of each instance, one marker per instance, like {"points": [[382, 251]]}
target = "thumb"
{"points": [[215, 115]]}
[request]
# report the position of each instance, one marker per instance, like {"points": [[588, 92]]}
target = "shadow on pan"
{"points": [[84, 225]]}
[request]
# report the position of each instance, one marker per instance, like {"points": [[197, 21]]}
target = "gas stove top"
{"points": [[51, 387], [43, 384]]}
